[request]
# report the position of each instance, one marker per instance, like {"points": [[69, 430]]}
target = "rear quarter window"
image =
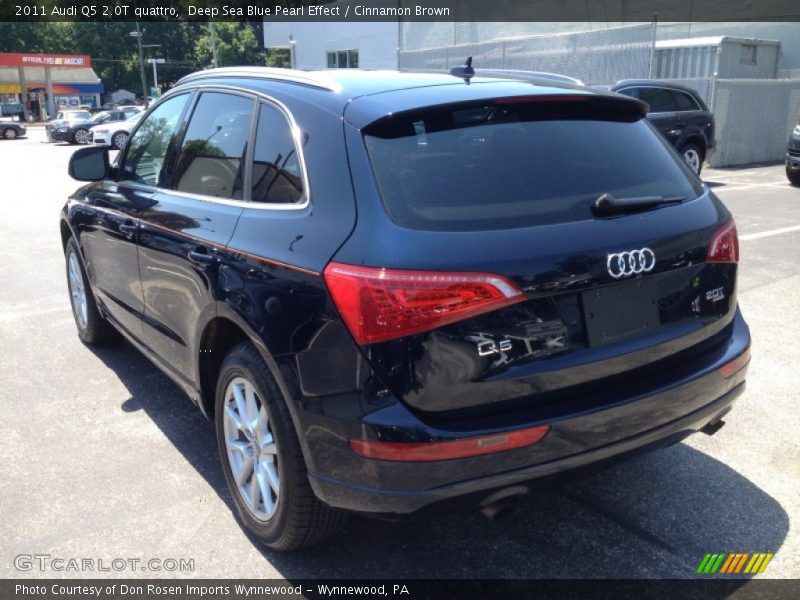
{"points": [[659, 99], [684, 101], [490, 166]]}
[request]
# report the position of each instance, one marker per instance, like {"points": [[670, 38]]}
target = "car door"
{"points": [[190, 221], [119, 206], [689, 117], [108, 238]]}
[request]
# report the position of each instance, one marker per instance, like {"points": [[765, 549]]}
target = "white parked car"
{"points": [[115, 134]]}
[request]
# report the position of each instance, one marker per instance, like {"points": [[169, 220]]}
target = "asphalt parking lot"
{"points": [[105, 458]]}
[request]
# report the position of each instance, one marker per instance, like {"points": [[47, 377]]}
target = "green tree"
{"points": [[237, 44]]}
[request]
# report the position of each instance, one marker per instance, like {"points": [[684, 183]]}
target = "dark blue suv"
{"points": [[392, 291]]}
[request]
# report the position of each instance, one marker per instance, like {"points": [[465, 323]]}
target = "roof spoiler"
{"points": [[528, 76]]}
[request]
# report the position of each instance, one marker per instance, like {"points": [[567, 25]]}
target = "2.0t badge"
{"points": [[632, 262]]}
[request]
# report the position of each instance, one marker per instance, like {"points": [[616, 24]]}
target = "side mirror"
{"points": [[89, 164]]}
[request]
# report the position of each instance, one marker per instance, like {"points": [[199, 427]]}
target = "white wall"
{"points": [[376, 42]]}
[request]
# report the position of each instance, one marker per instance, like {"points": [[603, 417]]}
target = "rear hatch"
{"points": [[481, 275]]}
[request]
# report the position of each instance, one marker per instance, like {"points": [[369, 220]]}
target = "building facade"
{"points": [[318, 45], [52, 80]]}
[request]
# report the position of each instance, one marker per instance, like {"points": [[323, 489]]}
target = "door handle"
{"points": [[201, 257], [128, 229]]}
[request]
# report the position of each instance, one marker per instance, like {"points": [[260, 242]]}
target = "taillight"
{"points": [[384, 304], [724, 247], [730, 369], [450, 449]]}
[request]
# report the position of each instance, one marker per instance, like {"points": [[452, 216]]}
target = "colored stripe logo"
{"points": [[734, 562]]}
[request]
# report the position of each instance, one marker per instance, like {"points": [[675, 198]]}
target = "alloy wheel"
{"points": [[119, 140], [82, 136], [692, 158], [10, 134], [77, 291], [251, 449]]}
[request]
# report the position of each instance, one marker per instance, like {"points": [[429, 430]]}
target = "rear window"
{"points": [[505, 166]]}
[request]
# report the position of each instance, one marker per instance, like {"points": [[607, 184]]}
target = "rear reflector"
{"points": [[737, 364], [384, 304], [724, 247], [428, 451]]}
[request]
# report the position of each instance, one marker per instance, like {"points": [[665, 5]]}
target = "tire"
{"points": [[118, 140], [10, 133], [93, 329], [81, 136], [294, 517], [693, 157], [793, 176]]}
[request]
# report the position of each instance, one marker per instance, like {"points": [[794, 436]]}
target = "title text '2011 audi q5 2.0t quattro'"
{"points": [[395, 291]]}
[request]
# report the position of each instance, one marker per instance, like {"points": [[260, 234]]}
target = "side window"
{"points": [[684, 101], [148, 147], [276, 168], [632, 92], [659, 99], [211, 158]]}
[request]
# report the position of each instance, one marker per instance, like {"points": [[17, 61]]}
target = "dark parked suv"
{"points": [[793, 156], [394, 290], [680, 115]]}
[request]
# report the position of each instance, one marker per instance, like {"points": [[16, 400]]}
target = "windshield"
{"points": [[77, 115], [510, 165]]}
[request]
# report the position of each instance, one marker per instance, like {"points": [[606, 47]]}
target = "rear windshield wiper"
{"points": [[607, 205]]}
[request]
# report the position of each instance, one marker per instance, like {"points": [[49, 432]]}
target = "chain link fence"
{"points": [[754, 117], [591, 56]]}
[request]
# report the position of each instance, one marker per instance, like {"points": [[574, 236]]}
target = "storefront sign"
{"points": [[44, 60]]}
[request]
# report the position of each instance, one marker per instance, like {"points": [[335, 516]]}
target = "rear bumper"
{"points": [[575, 441], [485, 490]]}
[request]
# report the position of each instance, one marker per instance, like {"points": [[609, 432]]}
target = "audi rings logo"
{"points": [[633, 262]]}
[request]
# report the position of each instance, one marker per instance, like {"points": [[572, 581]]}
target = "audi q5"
{"points": [[397, 292]]}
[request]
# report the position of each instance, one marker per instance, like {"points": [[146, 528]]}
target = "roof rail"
{"points": [[528, 75], [315, 80]]}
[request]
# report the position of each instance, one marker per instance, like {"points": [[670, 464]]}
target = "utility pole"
{"points": [[652, 67], [213, 31], [154, 62], [138, 35]]}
